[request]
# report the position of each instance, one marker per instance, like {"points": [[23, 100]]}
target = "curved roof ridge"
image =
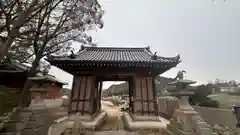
{"points": [[81, 50], [112, 48], [148, 51], [159, 56], [175, 57]]}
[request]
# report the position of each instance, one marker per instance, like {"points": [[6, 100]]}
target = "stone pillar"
{"points": [[143, 97], [184, 101], [82, 95], [186, 120], [37, 101]]}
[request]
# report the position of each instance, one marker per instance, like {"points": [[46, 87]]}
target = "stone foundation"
{"points": [[145, 118], [66, 124], [143, 124]]}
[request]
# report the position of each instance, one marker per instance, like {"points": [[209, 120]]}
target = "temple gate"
{"points": [[93, 65]]}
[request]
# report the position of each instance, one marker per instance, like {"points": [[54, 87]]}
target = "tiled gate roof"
{"points": [[116, 54], [92, 57]]}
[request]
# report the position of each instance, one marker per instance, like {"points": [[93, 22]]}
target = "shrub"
{"points": [[8, 100], [203, 101], [209, 103]]}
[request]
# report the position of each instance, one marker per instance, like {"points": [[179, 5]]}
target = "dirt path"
{"points": [[113, 121]]}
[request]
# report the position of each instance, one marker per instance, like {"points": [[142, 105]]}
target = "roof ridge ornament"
{"points": [[154, 57], [82, 47], [180, 75], [72, 56], [148, 48], [178, 56]]}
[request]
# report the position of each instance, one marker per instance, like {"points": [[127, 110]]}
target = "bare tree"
{"points": [[56, 26], [14, 14]]}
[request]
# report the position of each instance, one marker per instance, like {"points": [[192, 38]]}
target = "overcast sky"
{"points": [[206, 34]]}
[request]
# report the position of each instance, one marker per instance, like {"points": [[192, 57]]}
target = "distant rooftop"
{"points": [[226, 85], [48, 78], [13, 66]]}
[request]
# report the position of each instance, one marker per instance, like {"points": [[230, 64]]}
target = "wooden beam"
{"points": [[141, 89], [115, 70], [146, 81], [130, 92], [84, 94], [79, 91], [100, 95], [155, 96], [73, 86]]}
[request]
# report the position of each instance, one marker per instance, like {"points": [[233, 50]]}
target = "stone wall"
{"points": [[167, 106], [29, 122], [217, 116], [182, 122], [212, 116]]}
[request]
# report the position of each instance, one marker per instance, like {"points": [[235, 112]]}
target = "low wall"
{"points": [[51, 103], [167, 106], [217, 116], [212, 116]]}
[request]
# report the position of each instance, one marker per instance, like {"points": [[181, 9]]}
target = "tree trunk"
{"points": [[5, 46], [25, 95]]}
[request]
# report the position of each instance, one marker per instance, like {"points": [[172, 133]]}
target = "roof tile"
{"points": [[117, 54]]}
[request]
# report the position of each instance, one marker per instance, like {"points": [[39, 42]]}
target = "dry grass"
{"points": [[226, 101]]}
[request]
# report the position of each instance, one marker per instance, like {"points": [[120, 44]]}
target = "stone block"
{"points": [[205, 131], [146, 118], [149, 132], [175, 131], [132, 125]]}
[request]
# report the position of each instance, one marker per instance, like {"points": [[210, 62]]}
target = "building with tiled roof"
{"points": [[228, 87], [90, 66], [107, 57], [13, 74], [48, 83]]}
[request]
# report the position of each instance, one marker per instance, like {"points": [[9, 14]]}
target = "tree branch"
{"points": [[26, 59]]}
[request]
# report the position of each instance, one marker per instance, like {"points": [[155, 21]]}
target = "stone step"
{"points": [[119, 132]]}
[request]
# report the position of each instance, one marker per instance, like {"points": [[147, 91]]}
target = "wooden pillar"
{"points": [[82, 95], [95, 96], [131, 90], [100, 95], [144, 100]]}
